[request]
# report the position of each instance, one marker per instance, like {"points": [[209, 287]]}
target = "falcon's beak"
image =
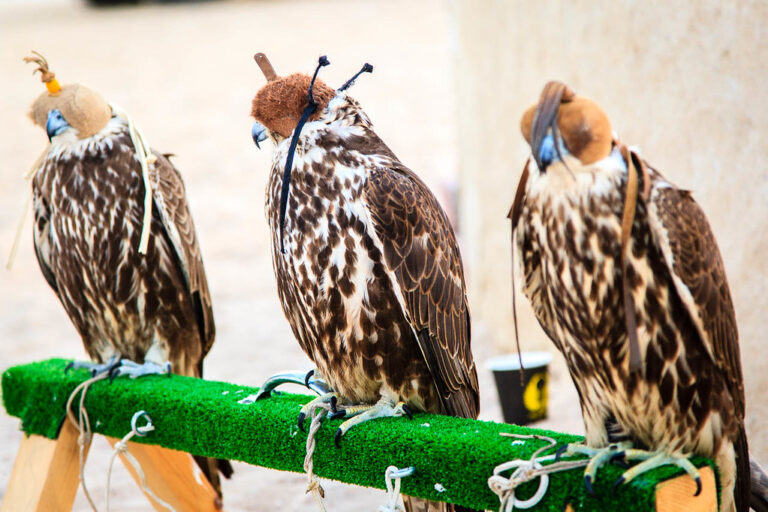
{"points": [[259, 133], [55, 123], [546, 154]]}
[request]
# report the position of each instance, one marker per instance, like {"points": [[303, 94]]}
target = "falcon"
{"points": [[137, 314], [368, 270], [625, 277]]}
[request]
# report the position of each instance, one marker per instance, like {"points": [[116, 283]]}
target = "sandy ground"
{"points": [[185, 73]]}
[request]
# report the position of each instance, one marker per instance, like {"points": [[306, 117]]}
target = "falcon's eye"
{"points": [[259, 133]]}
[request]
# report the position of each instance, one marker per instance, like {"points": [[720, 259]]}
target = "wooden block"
{"points": [[45, 475], [173, 476], [676, 495]]}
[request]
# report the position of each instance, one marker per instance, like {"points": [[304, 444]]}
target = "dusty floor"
{"points": [[186, 74]]}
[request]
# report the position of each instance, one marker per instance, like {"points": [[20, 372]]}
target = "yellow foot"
{"points": [[358, 414], [625, 452]]}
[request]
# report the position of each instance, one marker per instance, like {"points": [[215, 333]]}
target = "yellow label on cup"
{"points": [[536, 396]]}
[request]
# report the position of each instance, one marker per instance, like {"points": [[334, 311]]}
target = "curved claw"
{"points": [[340, 413], [560, 451], [334, 403], [698, 485], [302, 416], [618, 482], [337, 438], [308, 376], [69, 366], [407, 411], [588, 484]]}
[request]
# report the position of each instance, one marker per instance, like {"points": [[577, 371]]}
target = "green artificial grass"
{"points": [[452, 457]]}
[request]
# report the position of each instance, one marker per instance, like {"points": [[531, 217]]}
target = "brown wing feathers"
{"points": [[421, 250], [170, 201]]}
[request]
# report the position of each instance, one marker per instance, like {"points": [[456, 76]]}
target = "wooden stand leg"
{"points": [[45, 474], [173, 476]]}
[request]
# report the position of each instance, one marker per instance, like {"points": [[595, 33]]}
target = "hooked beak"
{"points": [[259, 133], [55, 123], [547, 152]]}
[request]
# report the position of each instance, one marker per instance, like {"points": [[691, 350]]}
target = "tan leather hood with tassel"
{"points": [[82, 108]]}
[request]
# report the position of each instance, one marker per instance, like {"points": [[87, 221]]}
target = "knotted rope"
{"points": [[526, 470], [146, 158], [121, 447], [316, 414], [83, 425], [393, 491]]}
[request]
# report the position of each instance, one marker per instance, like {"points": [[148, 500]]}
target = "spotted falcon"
{"points": [[368, 269], [625, 277]]}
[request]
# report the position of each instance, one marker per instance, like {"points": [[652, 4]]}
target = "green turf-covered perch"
{"points": [[453, 457]]}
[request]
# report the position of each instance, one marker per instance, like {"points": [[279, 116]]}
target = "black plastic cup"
{"points": [[524, 404]]}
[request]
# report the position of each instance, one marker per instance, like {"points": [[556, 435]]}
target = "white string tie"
{"points": [[393, 490], [146, 158], [526, 470], [121, 448]]}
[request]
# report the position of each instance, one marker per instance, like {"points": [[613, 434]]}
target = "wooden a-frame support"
{"points": [[45, 475]]}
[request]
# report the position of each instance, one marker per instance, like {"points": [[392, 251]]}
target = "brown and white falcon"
{"points": [[370, 277], [642, 314], [137, 314]]}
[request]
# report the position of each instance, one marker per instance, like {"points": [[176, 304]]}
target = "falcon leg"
{"points": [[134, 370], [95, 368], [653, 460], [598, 457], [306, 379], [328, 400], [358, 414], [624, 452]]}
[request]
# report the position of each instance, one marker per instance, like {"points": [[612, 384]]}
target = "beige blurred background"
{"points": [[450, 82]]}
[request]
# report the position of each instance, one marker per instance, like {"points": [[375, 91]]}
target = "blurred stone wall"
{"points": [[686, 82]]}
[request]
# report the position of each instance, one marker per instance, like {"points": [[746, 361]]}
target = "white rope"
{"points": [[23, 217], [146, 158], [121, 447], [84, 427], [317, 414], [393, 491], [526, 470]]}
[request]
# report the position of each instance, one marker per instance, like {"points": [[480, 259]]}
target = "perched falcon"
{"points": [[367, 265], [642, 314], [139, 311]]}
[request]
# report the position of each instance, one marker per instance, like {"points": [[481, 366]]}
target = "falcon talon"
{"points": [[588, 484], [334, 403], [618, 482], [300, 421], [407, 411], [340, 413], [337, 437], [698, 485], [560, 451]]}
